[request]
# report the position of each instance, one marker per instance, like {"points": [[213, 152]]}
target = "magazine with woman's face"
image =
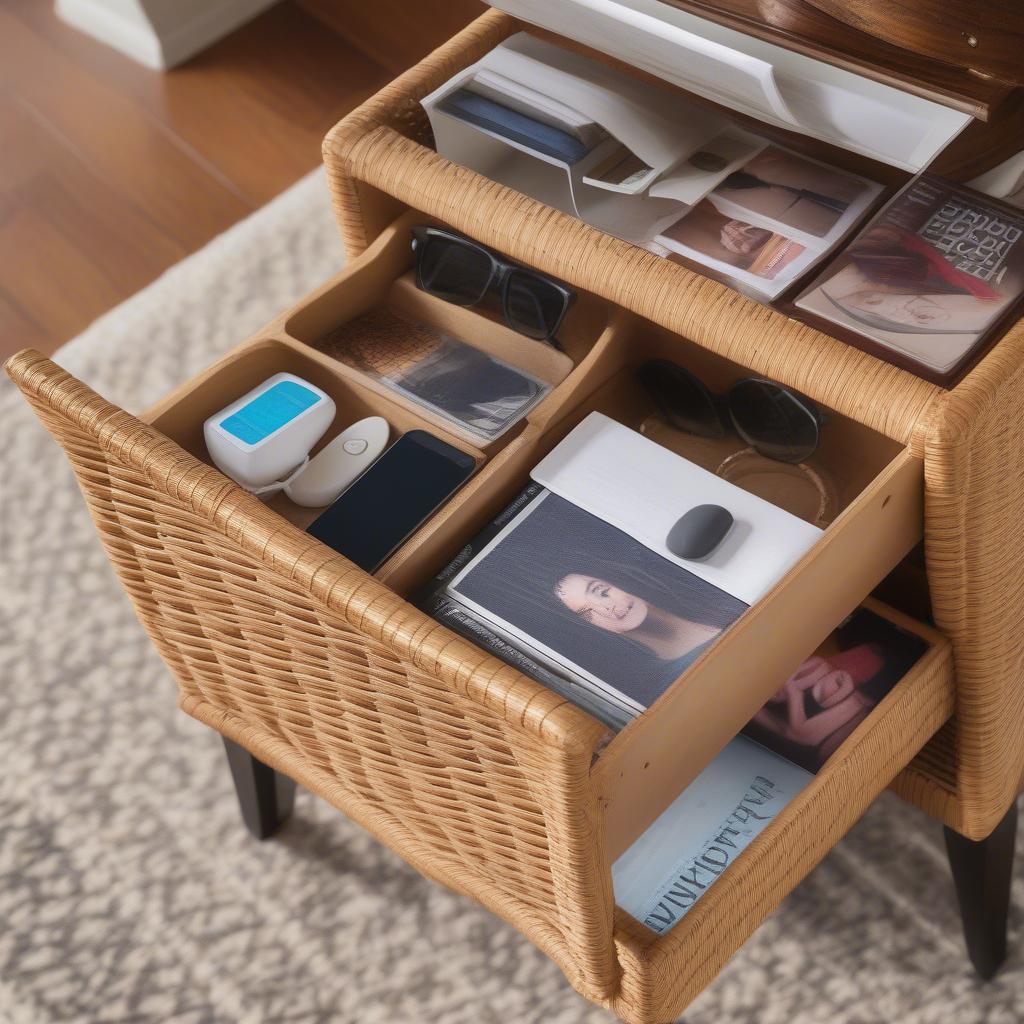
{"points": [[928, 278], [767, 222], [595, 600], [833, 691]]}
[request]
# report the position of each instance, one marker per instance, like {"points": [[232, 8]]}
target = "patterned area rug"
{"points": [[129, 890]]}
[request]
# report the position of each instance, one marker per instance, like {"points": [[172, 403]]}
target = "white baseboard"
{"points": [[158, 33]]}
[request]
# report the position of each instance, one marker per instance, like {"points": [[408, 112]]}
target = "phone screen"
{"points": [[412, 479]]}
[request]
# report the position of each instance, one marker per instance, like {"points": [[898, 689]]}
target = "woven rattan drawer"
{"points": [[478, 776]]}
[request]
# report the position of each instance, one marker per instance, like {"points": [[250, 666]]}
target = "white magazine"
{"points": [[689, 847]]}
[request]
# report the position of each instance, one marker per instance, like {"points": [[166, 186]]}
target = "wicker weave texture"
{"points": [[478, 776], [974, 533], [475, 775], [970, 437]]}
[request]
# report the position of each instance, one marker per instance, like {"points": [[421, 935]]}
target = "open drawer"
{"points": [[480, 777], [661, 974]]}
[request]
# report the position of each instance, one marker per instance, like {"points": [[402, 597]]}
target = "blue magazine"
{"points": [[674, 862]]}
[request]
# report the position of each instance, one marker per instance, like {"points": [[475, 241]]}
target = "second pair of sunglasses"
{"points": [[775, 421], [463, 272]]}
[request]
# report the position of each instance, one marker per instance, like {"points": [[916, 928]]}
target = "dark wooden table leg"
{"points": [[266, 797], [982, 872]]}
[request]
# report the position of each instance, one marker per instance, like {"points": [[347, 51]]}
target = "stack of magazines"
{"points": [[471, 391], [574, 583], [645, 164], [674, 862]]}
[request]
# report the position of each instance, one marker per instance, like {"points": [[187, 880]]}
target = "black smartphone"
{"points": [[408, 483]]}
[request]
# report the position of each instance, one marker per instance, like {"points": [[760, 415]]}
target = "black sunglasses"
{"points": [[461, 271], [773, 420]]}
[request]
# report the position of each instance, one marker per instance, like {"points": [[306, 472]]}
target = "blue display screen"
{"points": [[270, 411]]}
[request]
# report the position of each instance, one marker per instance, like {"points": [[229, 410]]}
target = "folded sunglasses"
{"points": [[463, 272], [775, 421]]}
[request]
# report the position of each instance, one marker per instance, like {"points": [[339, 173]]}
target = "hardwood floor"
{"points": [[396, 33], [110, 172]]}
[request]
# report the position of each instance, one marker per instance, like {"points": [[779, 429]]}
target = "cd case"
{"points": [[930, 282], [468, 389]]}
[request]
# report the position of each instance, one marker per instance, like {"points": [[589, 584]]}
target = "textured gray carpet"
{"points": [[129, 890]]}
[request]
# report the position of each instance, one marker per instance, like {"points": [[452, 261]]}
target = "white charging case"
{"points": [[268, 432]]}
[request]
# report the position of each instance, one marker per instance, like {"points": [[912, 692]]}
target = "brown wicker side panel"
{"points": [[397, 106], [475, 775], [974, 533]]}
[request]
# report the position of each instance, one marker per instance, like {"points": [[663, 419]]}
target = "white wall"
{"points": [[159, 33]]}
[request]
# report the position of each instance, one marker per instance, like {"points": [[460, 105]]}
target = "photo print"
{"points": [[801, 194], [706, 233], [467, 388], [833, 691], [769, 220], [594, 600]]}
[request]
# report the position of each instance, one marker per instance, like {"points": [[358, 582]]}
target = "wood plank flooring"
{"points": [[396, 33], [110, 172]]}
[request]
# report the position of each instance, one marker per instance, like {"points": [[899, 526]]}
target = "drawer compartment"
{"points": [[879, 492], [480, 777]]}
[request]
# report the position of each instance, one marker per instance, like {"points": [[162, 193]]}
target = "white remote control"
{"points": [[339, 464]]}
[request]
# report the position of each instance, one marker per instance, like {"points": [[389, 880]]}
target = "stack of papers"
{"points": [[646, 164], [576, 578]]}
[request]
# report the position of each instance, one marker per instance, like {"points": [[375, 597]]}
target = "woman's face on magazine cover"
{"points": [[601, 604]]}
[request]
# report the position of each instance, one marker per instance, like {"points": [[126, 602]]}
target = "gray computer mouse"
{"points": [[698, 532]]}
